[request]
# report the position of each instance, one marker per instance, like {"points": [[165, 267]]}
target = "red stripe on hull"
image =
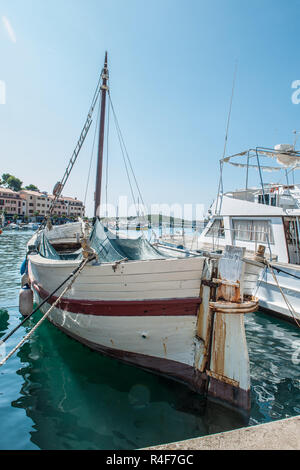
{"points": [[168, 307]]}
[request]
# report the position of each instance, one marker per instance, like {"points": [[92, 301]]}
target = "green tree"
{"points": [[13, 183], [4, 178], [36, 214], [32, 187]]}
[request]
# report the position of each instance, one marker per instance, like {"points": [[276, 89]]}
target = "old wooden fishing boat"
{"points": [[177, 316]]}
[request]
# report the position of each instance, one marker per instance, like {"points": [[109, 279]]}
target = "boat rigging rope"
{"points": [[80, 268], [220, 188], [72, 276], [125, 154], [77, 149], [106, 169], [122, 150], [92, 154], [261, 279]]}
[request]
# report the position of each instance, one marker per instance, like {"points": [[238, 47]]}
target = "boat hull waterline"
{"points": [[146, 313], [156, 334]]}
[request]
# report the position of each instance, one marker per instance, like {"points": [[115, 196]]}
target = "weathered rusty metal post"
{"points": [[222, 353]]}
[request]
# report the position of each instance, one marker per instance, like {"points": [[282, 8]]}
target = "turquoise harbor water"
{"points": [[57, 394]]}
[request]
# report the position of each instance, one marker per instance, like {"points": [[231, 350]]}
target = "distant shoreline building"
{"points": [[12, 203], [36, 203]]}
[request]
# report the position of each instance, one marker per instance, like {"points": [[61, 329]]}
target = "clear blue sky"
{"points": [[171, 70]]}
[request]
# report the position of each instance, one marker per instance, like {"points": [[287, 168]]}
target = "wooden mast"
{"points": [[104, 89]]}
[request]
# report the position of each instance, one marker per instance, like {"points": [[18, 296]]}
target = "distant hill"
{"points": [[154, 219]]}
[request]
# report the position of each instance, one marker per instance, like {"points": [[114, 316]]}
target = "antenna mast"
{"points": [[220, 188]]}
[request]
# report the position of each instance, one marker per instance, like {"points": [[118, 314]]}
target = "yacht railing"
{"points": [[264, 239], [256, 153]]}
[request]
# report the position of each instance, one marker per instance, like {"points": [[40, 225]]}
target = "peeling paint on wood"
{"points": [[227, 367], [222, 378]]}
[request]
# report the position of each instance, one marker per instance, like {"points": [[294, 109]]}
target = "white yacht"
{"points": [[267, 215]]}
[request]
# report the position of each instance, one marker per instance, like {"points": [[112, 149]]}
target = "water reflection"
{"points": [[275, 379], [79, 399], [12, 251], [4, 321]]}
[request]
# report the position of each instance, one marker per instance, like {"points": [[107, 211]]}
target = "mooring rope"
{"points": [[41, 304], [26, 337]]}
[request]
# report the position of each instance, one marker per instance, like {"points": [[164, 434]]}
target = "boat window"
{"points": [[217, 229], [264, 199], [291, 230], [253, 230]]}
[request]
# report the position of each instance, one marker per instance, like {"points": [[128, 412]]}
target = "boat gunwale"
{"points": [[40, 260]]}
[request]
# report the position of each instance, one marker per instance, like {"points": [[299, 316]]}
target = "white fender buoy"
{"points": [[24, 280], [25, 300]]}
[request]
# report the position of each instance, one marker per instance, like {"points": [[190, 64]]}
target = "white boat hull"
{"points": [[142, 312], [165, 346], [270, 297]]}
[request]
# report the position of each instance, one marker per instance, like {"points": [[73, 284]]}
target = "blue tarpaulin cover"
{"points": [[108, 247]]}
